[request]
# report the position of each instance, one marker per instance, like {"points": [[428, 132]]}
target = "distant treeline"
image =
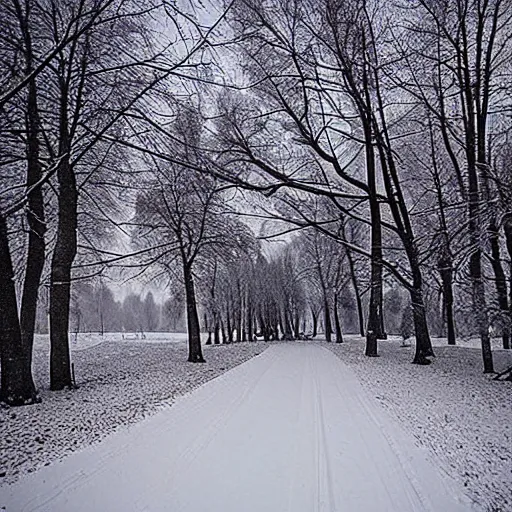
{"points": [[95, 309]]}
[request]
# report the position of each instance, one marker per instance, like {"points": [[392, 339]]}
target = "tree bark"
{"points": [[36, 250], [315, 323], [337, 321], [195, 354], [357, 293], [239, 328], [327, 322], [296, 326], [208, 330], [229, 326], [375, 321], [223, 331], [507, 228], [475, 118], [374, 329], [249, 323], [60, 280], [500, 281], [288, 325], [423, 349], [446, 272], [480, 308], [17, 385]]}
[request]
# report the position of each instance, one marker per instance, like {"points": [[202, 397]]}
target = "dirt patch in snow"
{"points": [[460, 415], [120, 382]]}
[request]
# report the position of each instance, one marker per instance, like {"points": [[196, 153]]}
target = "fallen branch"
{"points": [[500, 375]]}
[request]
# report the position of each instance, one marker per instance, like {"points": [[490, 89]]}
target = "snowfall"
{"points": [[304, 426]]}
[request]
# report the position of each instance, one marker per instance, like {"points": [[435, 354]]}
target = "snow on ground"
{"points": [[496, 343], [453, 409], [85, 340], [120, 382], [289, 431]]}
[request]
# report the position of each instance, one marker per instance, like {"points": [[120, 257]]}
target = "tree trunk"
{"points": [[281, 325], [423, 343], [375, 321], [36, 250], [444, 266], [507, 228], [357, 293], [337, 322], [60, 279], [216, 334], [382, 334], [288, 326], [207, 329], [480, 308], [17, 385], [327, 322], [249, 322], [501, 282], [373, 331], [275, 332], [475, 261], [400, 213], [296, 326], [229, 326], [264, 328], [239, 326], [223, 331], [315, 323], [445, 258], [423, 346], [195, 354], [447, 280], [398, 207], [475, 157]]}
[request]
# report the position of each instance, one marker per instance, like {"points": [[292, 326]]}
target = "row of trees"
{"points": [[391, 125], [387, 144], [94, 309], [71, 73], [343, 116]]}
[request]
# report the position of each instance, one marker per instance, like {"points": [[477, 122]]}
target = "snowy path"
{"points": [[290, 430]]}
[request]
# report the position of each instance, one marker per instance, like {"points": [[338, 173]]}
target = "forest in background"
{"points": [[166, 141], [94, 309]]}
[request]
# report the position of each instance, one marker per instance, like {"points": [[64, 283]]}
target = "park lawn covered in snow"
{"points": [[289, 431], [460, 417], [455, 411], [85, 340], [120, 382]]}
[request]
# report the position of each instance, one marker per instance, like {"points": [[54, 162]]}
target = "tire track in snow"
{"points": [[325, 500], [214, 427]]}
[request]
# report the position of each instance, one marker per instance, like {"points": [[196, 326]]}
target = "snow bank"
{"points": [[120, 382], [459, 414]]}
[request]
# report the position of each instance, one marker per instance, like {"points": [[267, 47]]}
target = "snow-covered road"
{"points": [[289, 430]]}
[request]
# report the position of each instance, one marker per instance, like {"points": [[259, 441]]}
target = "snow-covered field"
{"points": [[120, 382], [455, 411], [86, 340], [289, 431], [496, 342], [459, 416]]}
